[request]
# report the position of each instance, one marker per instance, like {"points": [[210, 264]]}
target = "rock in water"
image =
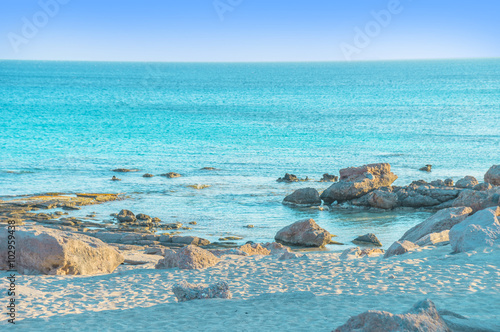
{"points": [[125, 170], [188, 258], [399, 248], [482, 229], [448, 182], [303, 197], [114, 178], [171, 175], [147, 175], [329, 178], [304, 233], [382, 199], [423, 317], [367, 239], [358, 181], [426, 168], [185, 291], [288, 178], [442, 220], [466, 182], [43, 250], [126, 216], [493, 175]]}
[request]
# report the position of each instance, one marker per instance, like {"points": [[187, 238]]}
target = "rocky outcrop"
{"points": [[382, 199], [304, 233], [367, 239], [303, 197], [147, 175], [399, 248], [442, 220], [441, 238], [255, 249], [483, 186], [421, 194], [358, 181], [482, 229], [125, 170], [288, 178], [329, 178], [41, 250], [188, 258], [171, 175], [466, 182], [126, 216], [492, 176], [478, 200], [185, 291], [423, 316]]}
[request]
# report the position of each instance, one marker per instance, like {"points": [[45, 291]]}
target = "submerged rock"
{"points": [[492, 176], [358, 181], [49, 251], [482, 229], [304, 233], [147, 175], [442, 220], [423, 316], [185, 291], [125, 170], [114, 178], [367, 239], [303, 197], [171, 175], [189, 258], [466, 182]]}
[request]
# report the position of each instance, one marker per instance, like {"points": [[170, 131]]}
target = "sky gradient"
{"points": [[248, 30]]}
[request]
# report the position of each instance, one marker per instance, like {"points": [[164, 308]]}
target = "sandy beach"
{"points": [[317, 292]]}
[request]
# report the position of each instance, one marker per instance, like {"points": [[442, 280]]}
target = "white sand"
{"points": [[318, 293]]}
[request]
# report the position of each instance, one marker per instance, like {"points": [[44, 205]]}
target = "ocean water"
{"points": [[66, 125]]}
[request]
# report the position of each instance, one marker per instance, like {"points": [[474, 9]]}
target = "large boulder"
{"points": [[482, 229], [304, 233], [358, 181], [423, 316], [189, 258], [434, 238], [399, 248], [383, 199], [303, 197], [466, 182], [442, 220], [493, 175], [41, 250], [126, 216], [185, 291], [478, 200]]}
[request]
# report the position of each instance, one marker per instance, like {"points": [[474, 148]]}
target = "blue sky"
{"points": [[248, 30]]}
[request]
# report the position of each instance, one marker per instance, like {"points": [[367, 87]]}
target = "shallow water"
{"points": [[65, 125]]}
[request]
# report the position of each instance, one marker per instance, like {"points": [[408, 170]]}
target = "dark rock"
{"points": [[125, 170], [482, 186], [329, 178], [367, 239], [466, 182], [303, 197], [492, 176], [288, 178], [426, 168], [126, 216], [304, 233], [448, 182], [114, 178], [147, 175], [171, 175]]}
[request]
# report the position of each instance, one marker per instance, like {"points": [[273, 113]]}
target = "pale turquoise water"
{"points": [[65, 125]]}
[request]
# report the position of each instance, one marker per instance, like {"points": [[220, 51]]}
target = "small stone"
{"points": [[171, 175], [192, 223], [114, 178], [367, 239], [426, 168]]}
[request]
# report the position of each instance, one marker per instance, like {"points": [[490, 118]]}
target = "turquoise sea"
{"points": [[65, 125]]}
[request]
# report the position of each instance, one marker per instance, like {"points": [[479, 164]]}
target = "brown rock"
{"points": [[492, 176], [189, 258], [304, 233], [399, 248], [254, 249]]}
